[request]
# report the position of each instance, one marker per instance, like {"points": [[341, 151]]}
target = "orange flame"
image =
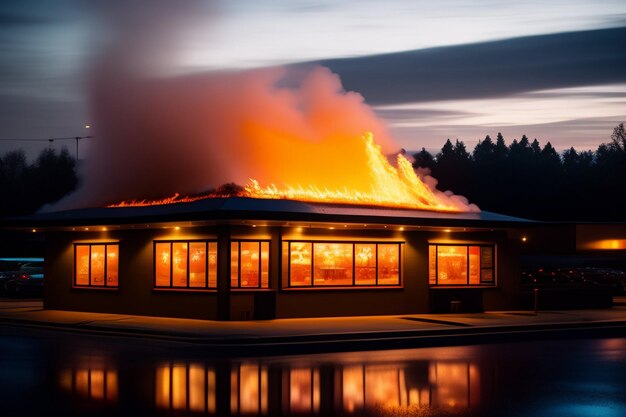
{"points": [[389, 186], [176, 198]]}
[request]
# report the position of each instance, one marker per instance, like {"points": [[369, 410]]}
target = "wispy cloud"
{"points": [[488, 69]]}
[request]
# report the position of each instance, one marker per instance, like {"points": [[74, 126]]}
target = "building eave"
{"points": [[234, 210]]}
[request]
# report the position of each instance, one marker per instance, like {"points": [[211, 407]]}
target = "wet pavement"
{"points": [[44, 372], [321, 334]]}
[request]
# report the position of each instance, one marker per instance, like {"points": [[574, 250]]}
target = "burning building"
{"points": [[329, 227], [241, 257]]}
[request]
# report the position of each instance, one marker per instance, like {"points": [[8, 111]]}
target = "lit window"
{"points": [[301, 263], [461, 264], [249, 264], [96, 264], [332, 263], [365, 264], [345, 264], [185, 264]]}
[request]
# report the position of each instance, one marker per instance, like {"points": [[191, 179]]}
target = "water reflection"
{"points": [[185, 387], [95, 384], [257, 389], [400, 387], [517, 379], [304, 390], [248, 389]]}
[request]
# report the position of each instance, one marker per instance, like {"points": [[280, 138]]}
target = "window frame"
{"points": [[188, 287], [260, 280], [354, 243], [106, 285], [482, 283]]}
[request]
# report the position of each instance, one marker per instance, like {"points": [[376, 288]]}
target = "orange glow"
{"points": [[385, 185], [606, 244], [333, 263], [248, 389], [93, 261], [460, 265], [249, 264], [176, 198], [188, 387], [404, 390], [97, 384], [382, 185], [451, 384], [304, 390], [112, 264]]}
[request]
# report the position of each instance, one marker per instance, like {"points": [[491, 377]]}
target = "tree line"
{"points": [[526, 180], [521, 179], [25, 187]]}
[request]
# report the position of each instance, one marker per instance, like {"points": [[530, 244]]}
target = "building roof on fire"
{"points": [[232, 209]]}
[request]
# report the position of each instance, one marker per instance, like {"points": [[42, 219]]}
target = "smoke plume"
{"points": [[159, 134]]}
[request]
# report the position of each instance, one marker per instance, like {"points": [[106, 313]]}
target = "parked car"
{"points": [[21, 276]]}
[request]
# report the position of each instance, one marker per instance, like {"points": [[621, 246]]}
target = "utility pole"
{"points": [[77, 139]]}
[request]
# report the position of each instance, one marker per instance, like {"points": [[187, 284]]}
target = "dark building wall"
{"points": [[136, 294]]}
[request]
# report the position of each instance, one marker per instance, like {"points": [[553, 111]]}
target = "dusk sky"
{"points": [[554, 71]]}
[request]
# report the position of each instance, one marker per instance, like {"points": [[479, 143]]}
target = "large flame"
{"points": [[389, 186], [385, 185]]}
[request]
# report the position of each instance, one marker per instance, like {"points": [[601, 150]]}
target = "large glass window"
{"points": [[341, 264], [461, 264], [249, 264], [185, 264], [332, 263], [96, 265]]}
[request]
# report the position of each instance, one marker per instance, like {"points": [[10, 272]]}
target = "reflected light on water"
{"points": [[97, 384], [400, 387], [613, 349], [304, 390], [248, 389], [187, 387]]}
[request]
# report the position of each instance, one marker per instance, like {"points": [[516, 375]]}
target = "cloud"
{"points": [[489, 69]]}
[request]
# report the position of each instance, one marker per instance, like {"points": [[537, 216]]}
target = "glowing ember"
{"points": [[385, 185]]}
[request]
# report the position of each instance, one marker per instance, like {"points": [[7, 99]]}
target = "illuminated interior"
{"points": [[319, 264], [96, 265], [185, 387], [96, 383], [185, 264], [461, 264], [249, 264], [248, 389]]}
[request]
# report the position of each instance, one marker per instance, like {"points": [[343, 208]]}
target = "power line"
{"points": [[76, 138], [44, 139]]}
